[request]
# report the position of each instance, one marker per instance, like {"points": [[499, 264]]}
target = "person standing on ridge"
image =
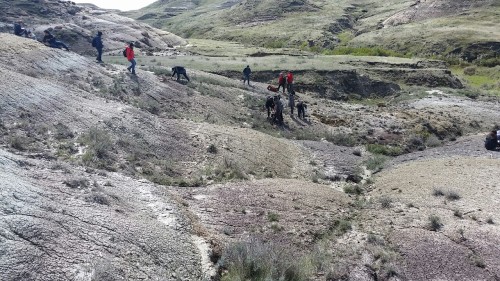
{"points": [[281, 81], [53, 43], [97, 43], [246, 74], [289, 81], [129, 51]]}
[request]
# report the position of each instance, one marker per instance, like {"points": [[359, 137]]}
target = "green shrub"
{"points": [[385, 202], [353, 189], [19, 143], [342, 139], [384, 149], [437, 192], [258, 261], [363, 51], [470, 70], [273, 217], [432, 141], [452, 195], [376, 162]]}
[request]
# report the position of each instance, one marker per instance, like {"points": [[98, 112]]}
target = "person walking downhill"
{"points": [[281, 81], [246, 74], [97, 43], [53, 43], [129, 51], [289, 81]]}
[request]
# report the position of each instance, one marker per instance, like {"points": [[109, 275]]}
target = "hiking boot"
{"points": [[129, 69]]}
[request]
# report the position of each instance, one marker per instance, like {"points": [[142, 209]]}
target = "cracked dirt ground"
{"points": [[52, 231]]}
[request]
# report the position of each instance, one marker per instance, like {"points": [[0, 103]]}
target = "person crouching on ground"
{"points": [[131, 58], [19, 30], [178, 70], [53, 43], [492, 140]]}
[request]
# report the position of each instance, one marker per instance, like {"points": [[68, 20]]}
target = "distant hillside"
{"points": [[409, 27], [77, 24]]}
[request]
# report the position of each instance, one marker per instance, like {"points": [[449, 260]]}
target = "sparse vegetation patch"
{"points": [[435, 223]]}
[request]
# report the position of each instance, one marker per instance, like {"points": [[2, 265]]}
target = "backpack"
{"points": [[94, 43], [125, 53]]}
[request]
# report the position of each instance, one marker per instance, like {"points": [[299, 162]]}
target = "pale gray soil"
{"points": [[117, 221], [102, 226], [76, 25]]}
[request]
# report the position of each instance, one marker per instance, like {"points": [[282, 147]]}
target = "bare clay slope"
{"points": [[77, 24], [463, 244], [61, 113], [62, 223]]}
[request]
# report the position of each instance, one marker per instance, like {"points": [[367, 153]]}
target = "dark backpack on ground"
{"points": [[125, 53]]}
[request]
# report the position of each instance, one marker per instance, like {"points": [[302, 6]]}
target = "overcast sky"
{"points": [[124, 5]]}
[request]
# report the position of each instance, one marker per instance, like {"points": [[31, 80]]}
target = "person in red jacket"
{"points": [[289, 81], [131, 57], [281, 82]]}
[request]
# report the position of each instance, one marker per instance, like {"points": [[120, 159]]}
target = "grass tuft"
{"points": [[435, 223]]}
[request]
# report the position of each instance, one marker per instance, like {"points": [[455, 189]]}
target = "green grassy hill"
{"points": [[407, 28]]}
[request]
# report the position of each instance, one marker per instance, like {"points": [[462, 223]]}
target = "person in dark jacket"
{"points": [[492, 140], [301, 108], [19, 30], [97, 43], [269, 105], [278, 110], [291, 101], [246, 74], [179, 70], [53, 43], [129, 51]]}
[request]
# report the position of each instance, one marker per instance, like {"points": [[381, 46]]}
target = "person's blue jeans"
{"points": [[246, 78], [132, 66], [99, 54], [58, 45]]}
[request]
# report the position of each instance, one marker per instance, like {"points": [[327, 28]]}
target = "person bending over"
{"points": [[178, 70]]}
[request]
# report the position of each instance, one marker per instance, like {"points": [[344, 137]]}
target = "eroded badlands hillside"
{"points": [[76, 25], [108, 176]]}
